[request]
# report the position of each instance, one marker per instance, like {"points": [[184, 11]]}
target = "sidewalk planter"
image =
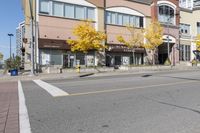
{"points": [[14, 72]]}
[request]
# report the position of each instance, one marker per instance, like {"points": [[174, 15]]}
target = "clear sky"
{"points": [[11, 15]]}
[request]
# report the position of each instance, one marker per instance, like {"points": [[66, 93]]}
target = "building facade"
{"points": [[54, 21], [119, 14], [167, 13], [189, 28], [20, 34]]}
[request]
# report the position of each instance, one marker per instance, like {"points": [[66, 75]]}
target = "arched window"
{"points": [[166, 14]]}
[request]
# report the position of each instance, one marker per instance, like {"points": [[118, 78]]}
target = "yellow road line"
{"points": [[132, 88]]}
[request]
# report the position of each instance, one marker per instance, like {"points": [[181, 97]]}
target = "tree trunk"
{"points": [[133, 58], [153, 57]]}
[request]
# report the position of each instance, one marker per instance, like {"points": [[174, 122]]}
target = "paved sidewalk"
{"points": [[9, 108], [70, 74]]}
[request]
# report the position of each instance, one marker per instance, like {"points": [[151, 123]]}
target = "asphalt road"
{"points": [[152, 103]]}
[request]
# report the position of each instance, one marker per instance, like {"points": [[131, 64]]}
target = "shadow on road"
{"points": [[181, 78], [174, 105]]}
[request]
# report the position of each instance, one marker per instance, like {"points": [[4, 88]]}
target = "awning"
{"points": [[123, 48], [53, 44]]}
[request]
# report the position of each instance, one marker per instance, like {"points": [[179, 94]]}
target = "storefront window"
{"points": [[185, 52], [80, 58], [51, 57]]}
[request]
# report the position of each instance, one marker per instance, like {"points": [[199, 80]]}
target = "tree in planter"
{"points": [[153, 36], [136, 39], [13, 63], [87, 38]]}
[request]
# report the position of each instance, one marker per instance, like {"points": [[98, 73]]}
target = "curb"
{"points": [[85, 75]]}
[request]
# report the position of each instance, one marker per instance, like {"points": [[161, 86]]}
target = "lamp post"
{"points": [[10, 35]]}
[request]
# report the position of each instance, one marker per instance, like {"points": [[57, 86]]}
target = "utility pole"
{"points": [[10, 35], [32, 38], [168, 39]]}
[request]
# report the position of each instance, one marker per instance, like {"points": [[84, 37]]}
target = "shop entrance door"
{"points": [[118, 60]]}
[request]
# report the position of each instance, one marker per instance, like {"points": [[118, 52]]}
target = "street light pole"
{"points": [[10, 35]]}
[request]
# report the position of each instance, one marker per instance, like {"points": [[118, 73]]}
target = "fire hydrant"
{"points": [[78, 67]]}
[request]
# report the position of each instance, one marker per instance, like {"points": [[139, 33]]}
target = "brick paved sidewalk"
{"points": [[9, 108]]}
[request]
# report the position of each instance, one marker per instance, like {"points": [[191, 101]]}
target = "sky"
{"points": [[11, 14]]}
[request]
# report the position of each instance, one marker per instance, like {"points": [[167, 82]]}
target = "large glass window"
{"points": [[198, 27], [166, 14], [90, 14], [185, 52], [80, 12], [123, 19], [58, 9], [56, 59], [113, 18], [119, 19], [80, 57], [69, 11], [61, 9], [108, 17], [185, 29], [44, 6], [126, 20]]}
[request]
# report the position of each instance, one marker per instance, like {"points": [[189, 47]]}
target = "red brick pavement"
{"points": [[9, 108]]}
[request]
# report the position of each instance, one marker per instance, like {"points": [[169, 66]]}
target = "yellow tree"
{"points": [[198, 42], [153, 36], [87, 38], [136, 38]]}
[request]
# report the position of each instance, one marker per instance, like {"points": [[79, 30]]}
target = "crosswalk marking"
{"points": [[53, 90], [24, 122]]}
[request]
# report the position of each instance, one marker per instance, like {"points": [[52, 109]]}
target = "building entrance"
{"points": [[163, 52]]}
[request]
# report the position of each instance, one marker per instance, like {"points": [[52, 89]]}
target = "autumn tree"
{"points": [[197, 41], [87, 38], [136, 39], [153, 36]]}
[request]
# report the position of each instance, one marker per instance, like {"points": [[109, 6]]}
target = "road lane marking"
{"points": [[53, 90], [132, 88], [24, 123]]}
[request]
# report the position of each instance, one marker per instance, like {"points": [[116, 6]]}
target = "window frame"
{"points": [[66, 4], [44, 12], [184, 27], [166, 14], [63, 9], [122, 17]]}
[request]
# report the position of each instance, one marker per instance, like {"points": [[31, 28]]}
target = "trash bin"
{"points": [[14, 72]]}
